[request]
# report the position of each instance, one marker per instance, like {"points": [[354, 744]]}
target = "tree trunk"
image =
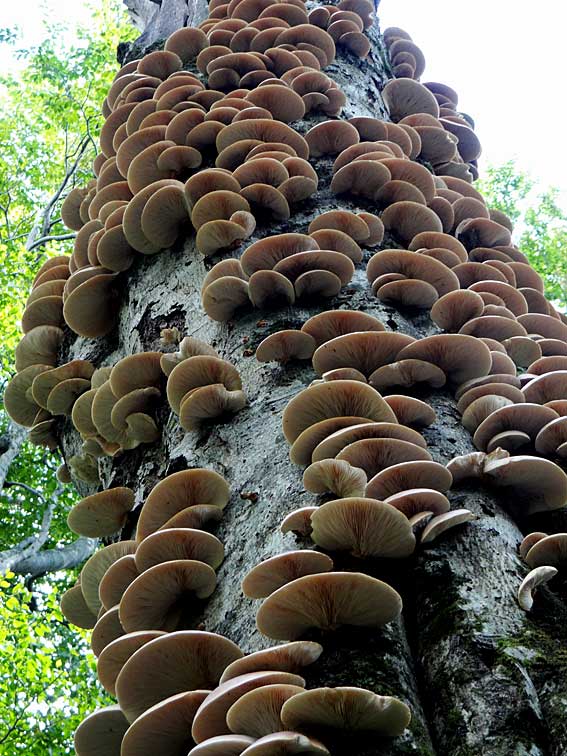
{"points": [[480, 676]]}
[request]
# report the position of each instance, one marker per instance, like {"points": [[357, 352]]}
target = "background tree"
{"points": [[540, 223]]}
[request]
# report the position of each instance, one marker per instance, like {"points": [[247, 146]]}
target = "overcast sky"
{"points": [[504, 57]]}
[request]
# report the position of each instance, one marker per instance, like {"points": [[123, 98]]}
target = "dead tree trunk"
{"points": [[479, 675]]}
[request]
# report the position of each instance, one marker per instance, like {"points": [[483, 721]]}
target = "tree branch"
{"points": [[52, 560], [45, 239]]}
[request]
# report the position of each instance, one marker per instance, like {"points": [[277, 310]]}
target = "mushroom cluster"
{"points": [[178, 687], [200, 385], [448, 141]]}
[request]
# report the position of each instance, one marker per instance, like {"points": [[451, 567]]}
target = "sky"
{"points": [[504, 57]]}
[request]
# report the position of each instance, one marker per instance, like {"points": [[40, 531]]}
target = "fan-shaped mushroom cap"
{"points": [[375, 454], [326, 602], [178, 491], [199, 371], [338, 241], [283, 743], [210, 720], [405, 97], [179, 543], [366, 528], [407, 373], [551, 550], [526, 417], [419, 500], [552, 438], [113, 657], [439, 524], [96, 566], [107, 629], [289, 657], [342, 220], [257, 713], [412, 411], [284, 104], [333, 399], [266, 253], [173, 663], [38, 347], [166, 727], [332, 444], [406, 475], [332, 323], [224, 296], [18, 403], [365, 351], [412, 265], [285, 345], [349, 710], [408, 219], [546, 388], [547, 364], [116, 579], [303, 447], [268, 290], [101, 514], [75, 610], [455, 308], [334, 476], [536, 485], [362, 178], [530, 583], [275, 572], [529, 541], [223, 745], [90, 308], [264, 130], [101, 733], [479, 409], [460, 357]]}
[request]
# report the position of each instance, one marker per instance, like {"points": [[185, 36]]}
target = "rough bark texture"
{"points": [[479, 675]]}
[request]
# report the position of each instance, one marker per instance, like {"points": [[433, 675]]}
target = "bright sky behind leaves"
{"points": [[504, 57]]}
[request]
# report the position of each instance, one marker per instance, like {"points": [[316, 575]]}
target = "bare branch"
{"points": [[45, 239]]}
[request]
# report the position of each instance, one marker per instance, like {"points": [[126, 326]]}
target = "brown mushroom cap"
{"points": [[366, 528], [101, 514], [289, 657], [551, 550], [210, 719], [95, 568], [526, 417], [179, 543], [365, 351], [257, 713], [332, 323], [375, 454], [166, 727], [223, 745], [116, 579], [326, 602], [334, 476], [286, 345], [173, 663], [101, 733], [439, 524], [461, 358], [535, 485], [283, 743], [279, 570], [158, 599], [179, 491], [335, 442], [406, 475], [304, 445], [113, 657], [18, 403], [333, 399], [405, 97], [75, 609], [350, 710]]}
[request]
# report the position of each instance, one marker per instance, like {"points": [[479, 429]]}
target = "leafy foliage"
{"points": [[47, 680], [49, 114], [540, 223]]}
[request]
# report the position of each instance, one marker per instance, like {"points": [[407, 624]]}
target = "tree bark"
{"points": [[480, 676]]}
